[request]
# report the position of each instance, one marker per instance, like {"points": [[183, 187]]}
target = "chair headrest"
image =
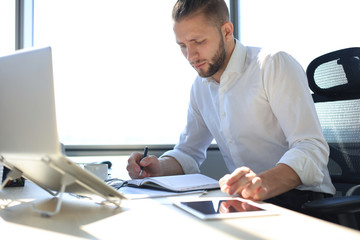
{"points": [[336, 75]]}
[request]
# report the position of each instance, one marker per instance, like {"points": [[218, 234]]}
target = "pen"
{"points": [[143, 156]]}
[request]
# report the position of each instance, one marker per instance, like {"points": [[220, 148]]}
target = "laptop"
{"points": [[29, 144]]}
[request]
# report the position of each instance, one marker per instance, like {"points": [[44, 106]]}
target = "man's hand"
{"points": [[150, 164], [245, 182], [270, 183]]}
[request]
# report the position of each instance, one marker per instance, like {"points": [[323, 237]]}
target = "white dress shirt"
{"points": [[260, 114]]}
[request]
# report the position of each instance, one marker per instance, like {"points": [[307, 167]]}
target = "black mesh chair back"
{"points": [[334, 79]]}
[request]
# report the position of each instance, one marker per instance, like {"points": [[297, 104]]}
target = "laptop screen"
{"points": [[27, 105], [29, 142]]}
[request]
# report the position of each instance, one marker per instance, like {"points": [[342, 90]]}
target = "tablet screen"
{"points": [[223, 208]]}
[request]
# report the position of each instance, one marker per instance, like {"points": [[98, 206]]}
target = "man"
{"points": [[256, 105]]}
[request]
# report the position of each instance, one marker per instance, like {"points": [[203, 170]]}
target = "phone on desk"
{"points": [[18, 182], [220, 208]]}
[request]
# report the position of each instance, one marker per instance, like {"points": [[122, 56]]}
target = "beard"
{"points": [[216, 63]]}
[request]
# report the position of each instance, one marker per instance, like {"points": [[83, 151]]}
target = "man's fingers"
{"points": [[255, 191], [245, 182], [238, 174]]}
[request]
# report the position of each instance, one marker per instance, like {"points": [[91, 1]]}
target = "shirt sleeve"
{"points": [[289, 95], [190, 151]]}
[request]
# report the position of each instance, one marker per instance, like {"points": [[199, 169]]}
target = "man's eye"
{"points": [[200, 42]]}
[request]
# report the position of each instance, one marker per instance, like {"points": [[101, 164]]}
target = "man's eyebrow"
{"points": [[191, 40]]}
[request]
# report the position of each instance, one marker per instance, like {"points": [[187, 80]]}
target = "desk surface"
{"points": [[147, 219]]}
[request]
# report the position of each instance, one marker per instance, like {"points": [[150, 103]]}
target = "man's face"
{"points": [[201, 43]]}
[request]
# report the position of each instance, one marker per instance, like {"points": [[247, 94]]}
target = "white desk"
{"points": [[148, 219]]}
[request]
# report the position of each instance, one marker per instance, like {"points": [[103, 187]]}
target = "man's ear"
{"points": [[227, 30]]}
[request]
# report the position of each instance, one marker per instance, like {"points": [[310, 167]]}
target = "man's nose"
{"points": [[192, 54]]}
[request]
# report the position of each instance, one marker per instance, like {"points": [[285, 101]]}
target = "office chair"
{"points": [[334, 79]]}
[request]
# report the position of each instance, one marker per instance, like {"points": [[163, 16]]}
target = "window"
{"points": [[7, 27], [120, 78], [306, 29]]}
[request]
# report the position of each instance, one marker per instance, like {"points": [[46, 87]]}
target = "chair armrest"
{"points": [[334, 205]]}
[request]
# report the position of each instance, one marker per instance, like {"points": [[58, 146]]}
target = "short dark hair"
{"points": [[215, 10]]}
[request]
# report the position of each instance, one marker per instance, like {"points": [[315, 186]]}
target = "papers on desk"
{"points": [[168, 186], [140, 193]]}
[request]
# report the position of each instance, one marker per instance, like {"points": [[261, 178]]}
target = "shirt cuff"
{"points": [[309, 172], [187, 163]]}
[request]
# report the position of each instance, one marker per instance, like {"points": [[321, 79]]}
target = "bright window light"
{"points": [[305, 28], [120, 77], [7, 27]]}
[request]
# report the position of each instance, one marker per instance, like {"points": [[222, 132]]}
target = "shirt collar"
{"points": [[237, 60], [235, 65]]}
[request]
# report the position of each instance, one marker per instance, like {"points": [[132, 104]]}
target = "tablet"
{"points": [[220, 208]]}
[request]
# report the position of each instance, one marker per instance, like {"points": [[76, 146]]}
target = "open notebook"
{"points": [[165, 186], [176, 183], [29, 144]]}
